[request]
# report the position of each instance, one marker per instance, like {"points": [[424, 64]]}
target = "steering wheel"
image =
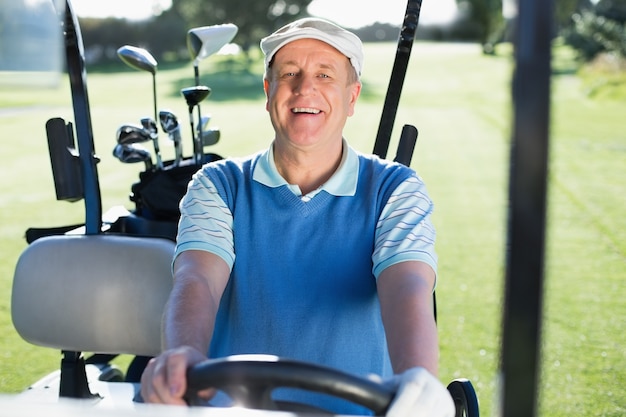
{"points": [[250, 379]]}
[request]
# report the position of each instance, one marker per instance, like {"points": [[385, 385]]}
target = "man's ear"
{"points": [[354, 96], [266, 88]]}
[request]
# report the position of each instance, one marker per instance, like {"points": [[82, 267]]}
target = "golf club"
{"points": [[149, 124], [203, 123], [129, 133], [142, 60], [204, 41], [170, 125], [210, 136], [193, 96], [132, 153], [207, 136]]}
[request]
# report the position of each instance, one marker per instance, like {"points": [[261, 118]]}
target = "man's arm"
{"points": [[199, 282], [405, 291]]}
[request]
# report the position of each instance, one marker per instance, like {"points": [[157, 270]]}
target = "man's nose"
{"points": [[305, 85]]}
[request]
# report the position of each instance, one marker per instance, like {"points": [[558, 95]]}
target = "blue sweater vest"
{"points": [[302, 285]]}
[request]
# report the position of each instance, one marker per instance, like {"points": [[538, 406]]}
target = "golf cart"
{"points": [[101, 287]]}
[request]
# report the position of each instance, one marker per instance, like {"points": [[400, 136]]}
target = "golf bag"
{"points": [[158, 192]]}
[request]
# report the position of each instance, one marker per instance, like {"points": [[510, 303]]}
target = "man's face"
{"points": [[311, 90]]}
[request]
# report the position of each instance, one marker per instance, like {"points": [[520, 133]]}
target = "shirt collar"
{"points": [[342, 183]]}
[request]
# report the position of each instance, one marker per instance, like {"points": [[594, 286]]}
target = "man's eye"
{"points": [[324, 76]]}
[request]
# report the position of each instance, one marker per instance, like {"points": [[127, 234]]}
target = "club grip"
{"points": [[406, 146]]}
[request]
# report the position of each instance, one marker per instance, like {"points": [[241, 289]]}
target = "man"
{"points": [[308, 250]]}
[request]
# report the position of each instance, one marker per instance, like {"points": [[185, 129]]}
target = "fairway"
{"points": [[459, 100]]}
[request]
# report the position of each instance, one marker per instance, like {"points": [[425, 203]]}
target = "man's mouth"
{"points": [[305, 110]]}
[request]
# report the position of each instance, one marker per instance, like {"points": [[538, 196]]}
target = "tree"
{"points": [[485, 15], [102, 37], [566, 9], [254, 18], [492, 27], [599, 28]]}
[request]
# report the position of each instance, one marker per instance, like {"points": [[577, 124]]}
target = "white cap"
{"points": [[313, 28]]}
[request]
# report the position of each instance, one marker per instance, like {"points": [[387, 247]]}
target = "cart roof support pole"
{"points": [[82, 118], [521, 335]]}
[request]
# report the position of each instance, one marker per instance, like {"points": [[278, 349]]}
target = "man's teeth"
{"points": [[305, 110]]}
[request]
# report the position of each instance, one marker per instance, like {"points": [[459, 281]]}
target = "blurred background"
{"points": [[590, 26]]}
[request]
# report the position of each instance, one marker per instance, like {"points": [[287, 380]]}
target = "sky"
{"points": [[349, 13]]}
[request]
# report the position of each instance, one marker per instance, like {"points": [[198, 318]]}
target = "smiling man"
{"points": [[307, 250]]}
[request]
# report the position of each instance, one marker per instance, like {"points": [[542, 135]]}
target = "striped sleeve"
{"points": [[206, 223], [404, 231]]}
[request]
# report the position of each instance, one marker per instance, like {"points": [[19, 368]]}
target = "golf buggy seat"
{"points": [[93, 293], [105, 294]]}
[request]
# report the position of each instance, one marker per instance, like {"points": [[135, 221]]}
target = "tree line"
{"points": [[589, 26]]}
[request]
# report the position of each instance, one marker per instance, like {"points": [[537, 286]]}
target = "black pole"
{"points": [[82, 117], [398, 73], [521, 335]]}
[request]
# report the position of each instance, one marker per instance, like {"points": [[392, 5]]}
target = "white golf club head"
{"points": [[204, 41]]}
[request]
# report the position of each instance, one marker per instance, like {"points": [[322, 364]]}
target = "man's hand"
{"points": [[419, 394], [164, 381]]}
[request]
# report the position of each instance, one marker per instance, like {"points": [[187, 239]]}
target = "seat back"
{"points": [[94, 293]]}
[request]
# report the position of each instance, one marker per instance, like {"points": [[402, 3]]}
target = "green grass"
{"points": [[459, 100]]}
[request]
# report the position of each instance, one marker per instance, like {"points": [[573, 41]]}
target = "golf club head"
{"points": [[206, 40], [194, 95], [149, 124], [137, 58], [132, 153], [210, 137], [203, 124], [168, 121], [170, 125], [128, 134]]}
